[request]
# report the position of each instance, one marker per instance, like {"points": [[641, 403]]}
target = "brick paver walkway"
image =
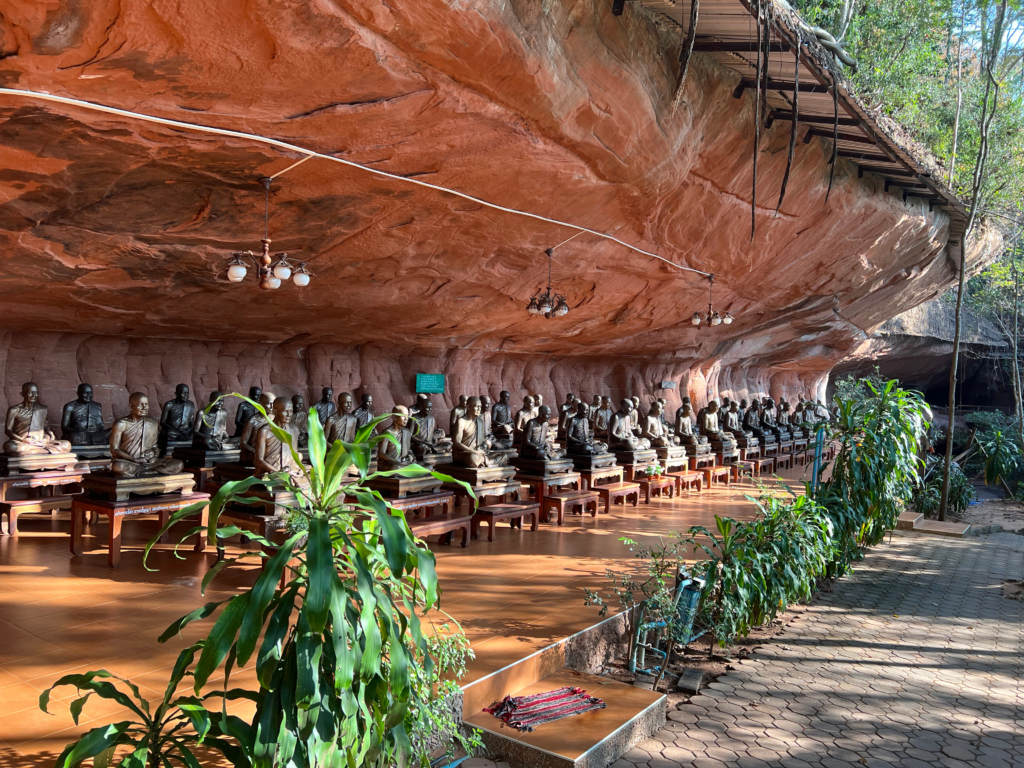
{"points": [[916, 660]]}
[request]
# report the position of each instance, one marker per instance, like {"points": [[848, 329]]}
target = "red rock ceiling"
{"points": [[122, 228]]}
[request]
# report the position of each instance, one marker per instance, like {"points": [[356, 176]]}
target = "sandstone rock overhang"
{"points": [[115, 227]]}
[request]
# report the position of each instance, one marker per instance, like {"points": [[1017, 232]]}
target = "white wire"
{"points": [[294, 148]]}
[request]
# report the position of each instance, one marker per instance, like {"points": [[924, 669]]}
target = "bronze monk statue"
{"points": [[81, 422], [593, 408], [26, 427], [654, 430], [622, 432], [134, 444], [325, 405], [210, 431], [523, 415], [565, 410], [456, 413], [247, 444], [427, 438], [752, 423], [679, 412], [603, 418], [177, 418], [389, 455], [245, 411], [300, 419], [502, 421], [471, 445], [364, 413], [343, 424], [271, 454], [485, 412], [579, 434], [536, 444]]}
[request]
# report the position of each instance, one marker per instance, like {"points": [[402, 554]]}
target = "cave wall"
{"points": [[118, 366]]}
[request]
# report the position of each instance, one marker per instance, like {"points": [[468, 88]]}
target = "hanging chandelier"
{"points": [[711, 317], [271, 273], [547, 303]]}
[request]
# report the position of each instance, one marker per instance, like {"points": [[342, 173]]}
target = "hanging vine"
{"points": [[793, 126], [685, 52], [835, 135], [757, 123]]}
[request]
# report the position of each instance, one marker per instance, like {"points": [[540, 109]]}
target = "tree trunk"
{"points": [[1015, 341], [959, 98], [952, 378]]}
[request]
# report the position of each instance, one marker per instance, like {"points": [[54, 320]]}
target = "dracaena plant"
{"points": [[178, 728], [332, 624]]}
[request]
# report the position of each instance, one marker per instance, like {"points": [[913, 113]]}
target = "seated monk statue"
{"points": [[783, 414], [134, 446], [621, 432], [81, 422], [427, 439], [28, 433], [364, 413], [593, 408], [709, 424], [768, 419], [245, 411], [325, 406], [456, 413], [247, 444], [536, 444], [502, 421], [471, 445], [523, 415], [485, 412], [752, 419], [177, 418], [579, 434], [602, 418], [684, 423], [300, 418], [565, 410], [210, 431], [389, 455], [343, 424], [272, 454], [653, 428]]}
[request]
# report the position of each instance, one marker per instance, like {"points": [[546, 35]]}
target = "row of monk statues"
{"points": [[480, 434]]}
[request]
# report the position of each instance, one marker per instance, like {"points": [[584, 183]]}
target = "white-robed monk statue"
{"points": [[27, 430], [133, 443]]}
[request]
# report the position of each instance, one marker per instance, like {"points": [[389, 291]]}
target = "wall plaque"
{"points": [[668, 385], [430, 383]]}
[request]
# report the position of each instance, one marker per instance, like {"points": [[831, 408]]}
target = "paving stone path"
{"points": [[915, 660]]}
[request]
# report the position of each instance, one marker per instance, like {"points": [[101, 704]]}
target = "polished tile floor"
{"points": [[61, 614]]}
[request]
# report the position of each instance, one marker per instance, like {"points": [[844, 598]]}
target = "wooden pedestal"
{"points": [[197, 457], [105, 485], [397, 487], [16, 465]]}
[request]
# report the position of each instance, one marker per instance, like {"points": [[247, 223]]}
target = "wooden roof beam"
{"points": [[745, 46], [846, 122], [778, 85]]}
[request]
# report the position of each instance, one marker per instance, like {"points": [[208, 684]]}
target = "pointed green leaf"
{"points": [[220, 639], [261, 594], [320, 566]]}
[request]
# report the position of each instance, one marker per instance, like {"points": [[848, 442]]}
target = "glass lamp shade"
{"points": [[532, 307], [727, 319], [696, 318], [282, 271], [561, 308], [273, 283], [237, 273], [301, 279], [715, 319], [545, 305]]}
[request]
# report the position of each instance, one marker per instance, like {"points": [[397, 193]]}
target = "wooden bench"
{"points": [[612, 492], [687, 480], [713, 475], [443, 526], [742, 469], [591, 477], [760, 465], [513, 510], [28, 506], [424, 503], [784, 461], [746, 454], [568, 500], [541, 485], [116, 511], [698, 462], [662, 484]]}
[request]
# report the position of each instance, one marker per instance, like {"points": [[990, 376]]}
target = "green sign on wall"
{"points": [[430, 383]]}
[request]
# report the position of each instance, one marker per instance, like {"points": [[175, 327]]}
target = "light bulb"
{"points": [[237, 273], [301, 278], [696, 318], [727, 319], [282, 271], [273, 283]]}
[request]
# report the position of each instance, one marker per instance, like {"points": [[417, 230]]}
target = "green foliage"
{"points": [[877, 468], [754, 570], [347, 674], [928, 495], [1002, 458], [153, 738]]}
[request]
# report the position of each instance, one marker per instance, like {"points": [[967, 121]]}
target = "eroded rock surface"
{"points": [[121, 229]]}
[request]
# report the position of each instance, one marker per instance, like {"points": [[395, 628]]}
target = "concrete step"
{"points": [[936, 528], [591, 740], [907, 520]]}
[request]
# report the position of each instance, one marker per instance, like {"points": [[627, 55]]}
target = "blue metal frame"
{"points": [[687, 601]]}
